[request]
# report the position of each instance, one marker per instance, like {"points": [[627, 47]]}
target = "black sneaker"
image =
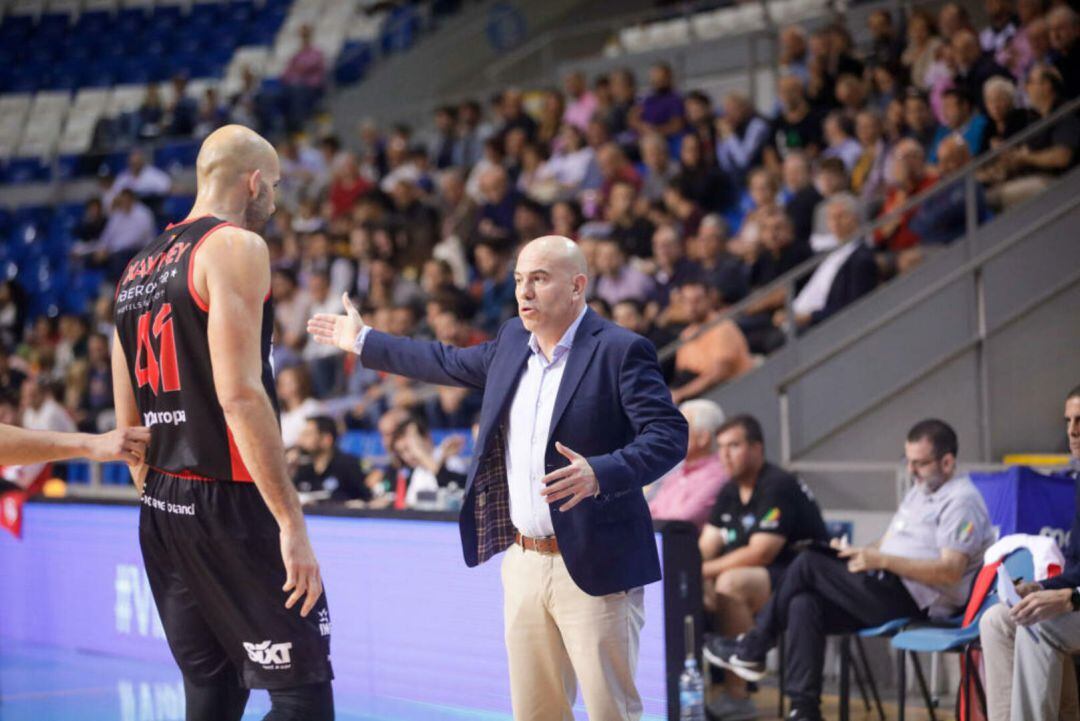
{"points": [[737, 655]]}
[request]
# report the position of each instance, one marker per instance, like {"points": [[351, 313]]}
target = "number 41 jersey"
{"points": [[161, 321]]}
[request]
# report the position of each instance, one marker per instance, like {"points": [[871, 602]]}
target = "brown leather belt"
{"points": [[547, 546]]}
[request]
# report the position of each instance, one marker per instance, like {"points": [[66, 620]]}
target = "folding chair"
{"points": [[959, 639]]}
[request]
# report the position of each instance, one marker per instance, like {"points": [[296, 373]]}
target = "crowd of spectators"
{"points": [[177, 110], [683, 204]]}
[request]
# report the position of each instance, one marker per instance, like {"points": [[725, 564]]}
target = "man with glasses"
{"points": [[923, 566]]}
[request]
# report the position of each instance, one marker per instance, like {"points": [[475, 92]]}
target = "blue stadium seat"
{"points": [[78, 472], [17, 26], [53, 26], [115, 474], [130, 22], [84, 287], [240, 11], [26, 170], [400, 30], [365, 444], [181, 154], [175, 208], [92, 24], [67, 167], [353, 62]]}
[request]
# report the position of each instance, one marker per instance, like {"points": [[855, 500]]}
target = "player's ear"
{"points": [[254, 183]]}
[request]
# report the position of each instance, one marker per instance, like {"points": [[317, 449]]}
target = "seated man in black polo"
{"points": [[747, 544], [325, 473]]}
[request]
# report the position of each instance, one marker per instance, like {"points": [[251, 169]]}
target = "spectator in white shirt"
{"points": [[297, 403], [327, 370], [149, 183], [129, 229], [41, 411]]}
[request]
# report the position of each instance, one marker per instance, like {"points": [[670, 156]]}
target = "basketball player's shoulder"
{"points": [[232, 246]]}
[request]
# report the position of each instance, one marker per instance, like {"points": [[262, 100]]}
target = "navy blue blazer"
{"points": [[612, 407]]}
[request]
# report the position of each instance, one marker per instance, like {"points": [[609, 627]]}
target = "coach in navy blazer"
{"points": [[613, 407], [613, 419]]}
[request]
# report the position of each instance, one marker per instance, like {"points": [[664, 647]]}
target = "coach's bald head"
{"points": [[550, 279], [236, 171]]}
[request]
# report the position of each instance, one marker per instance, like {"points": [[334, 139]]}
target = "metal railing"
{"points": [[787, 282]]}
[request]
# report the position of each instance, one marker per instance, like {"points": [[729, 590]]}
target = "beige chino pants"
{"points": [[557, 636]]}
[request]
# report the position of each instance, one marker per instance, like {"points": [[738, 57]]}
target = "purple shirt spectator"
{"points": [[659, 108], [308, 66]]}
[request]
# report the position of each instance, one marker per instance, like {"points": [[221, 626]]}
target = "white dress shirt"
{"points": [[527, 434], [528, 431], [815, 293]]}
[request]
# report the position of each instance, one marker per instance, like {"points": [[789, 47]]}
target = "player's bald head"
{"points": [[234, 151], [555, 250]]}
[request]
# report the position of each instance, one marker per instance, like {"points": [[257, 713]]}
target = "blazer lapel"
{"points": [[581, 353], [507, 367]]}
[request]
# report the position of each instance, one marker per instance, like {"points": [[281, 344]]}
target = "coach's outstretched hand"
{"points": [[301, 569], [339, 331]]}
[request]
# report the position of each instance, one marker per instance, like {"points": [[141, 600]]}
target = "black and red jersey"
{"points": [[162, 323]]}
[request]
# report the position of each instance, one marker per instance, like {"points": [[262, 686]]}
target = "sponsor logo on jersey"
{"points": [[147, 266], [324, 622], [271, 656], [168, 418]]}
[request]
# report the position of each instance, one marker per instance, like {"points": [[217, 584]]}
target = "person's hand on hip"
{"points": [[340, 331], [576, 481]]}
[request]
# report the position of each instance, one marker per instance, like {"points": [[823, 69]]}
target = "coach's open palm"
{"points": [[337, 330]]}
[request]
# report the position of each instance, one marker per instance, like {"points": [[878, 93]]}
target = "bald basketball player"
{"points": [[225, 545], [20, 447]]}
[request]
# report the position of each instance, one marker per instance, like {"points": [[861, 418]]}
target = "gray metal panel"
{"points": [[950, 393], [1033, 364], [1048, 257], [836, 391]]}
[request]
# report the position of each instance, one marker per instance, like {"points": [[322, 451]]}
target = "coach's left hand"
{"points": [[576, 481]]}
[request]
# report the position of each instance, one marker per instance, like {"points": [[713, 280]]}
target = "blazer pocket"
{"points": [[612, 507]]}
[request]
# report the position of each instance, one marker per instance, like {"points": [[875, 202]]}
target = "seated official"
{"points": [[747, 545], [1027, 674], [326, 473], [688, 491], [923, 566]]}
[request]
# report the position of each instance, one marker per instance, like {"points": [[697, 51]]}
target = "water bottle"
{"points": [[691, 684]]}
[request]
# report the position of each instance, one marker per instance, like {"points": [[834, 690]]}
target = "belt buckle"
{"points": [[521, 541]]}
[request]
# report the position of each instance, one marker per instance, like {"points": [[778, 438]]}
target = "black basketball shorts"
{"points": [[213, 558]]}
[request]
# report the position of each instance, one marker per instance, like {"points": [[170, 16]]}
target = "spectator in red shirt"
{"points": [[347, 186], [910, 177], [615, 168]]}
